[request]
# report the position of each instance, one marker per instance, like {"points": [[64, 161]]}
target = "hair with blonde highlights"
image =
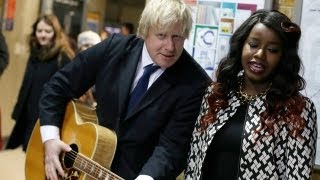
{"points": [[161, 14]]}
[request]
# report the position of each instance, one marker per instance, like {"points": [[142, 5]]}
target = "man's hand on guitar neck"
{"points": [[53, 148]]}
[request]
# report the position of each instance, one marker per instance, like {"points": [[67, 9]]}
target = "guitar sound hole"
{"points": [[69, 157]]}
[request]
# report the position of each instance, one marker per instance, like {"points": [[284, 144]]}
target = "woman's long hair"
{"points": [[60, 43], [284, 103]]}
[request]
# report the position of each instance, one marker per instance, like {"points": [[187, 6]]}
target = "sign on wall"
{"points": [[10, 8], [213, 24], [310, 56]]}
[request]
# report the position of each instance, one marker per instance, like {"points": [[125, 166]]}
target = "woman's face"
{"points": [[44, 33], [261, 54]]}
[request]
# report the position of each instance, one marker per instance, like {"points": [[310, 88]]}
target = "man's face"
{"points": [[165, 46]]}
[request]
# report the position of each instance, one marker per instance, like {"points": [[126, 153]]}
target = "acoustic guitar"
{"points": [[93, 147]]}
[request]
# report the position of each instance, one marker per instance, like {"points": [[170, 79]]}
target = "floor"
{"points": [[11, 161], [12, 164]]}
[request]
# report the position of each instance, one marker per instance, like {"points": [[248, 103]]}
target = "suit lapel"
{"points": [[128, 70], [169, 78]]}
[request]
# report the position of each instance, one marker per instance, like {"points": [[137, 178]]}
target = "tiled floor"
{"points": [[12, 164]]}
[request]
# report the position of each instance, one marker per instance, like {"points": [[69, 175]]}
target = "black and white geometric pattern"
{"points": [[277, 156]]}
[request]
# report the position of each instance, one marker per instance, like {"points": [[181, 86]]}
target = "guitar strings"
{"points": [[90, 164], [78, 158]]}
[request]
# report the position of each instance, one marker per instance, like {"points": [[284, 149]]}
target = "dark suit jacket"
{"points": [[154, 138]]}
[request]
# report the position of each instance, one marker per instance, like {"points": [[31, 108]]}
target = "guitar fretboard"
{"points": [[90, 167]]}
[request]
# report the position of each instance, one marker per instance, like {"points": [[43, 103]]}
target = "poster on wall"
{"points": [[243, 12], [222, 48], [309, 53], [188, 45], [205, 40], [93, 20], [214, 22], [208, 13], [205, 36], [9, 14]]}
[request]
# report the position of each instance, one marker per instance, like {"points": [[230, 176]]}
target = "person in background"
{"points": [[126, 28], [85, 40], [152, 113], [104, 34], [4, 55], [254, 123], [49, 51]]}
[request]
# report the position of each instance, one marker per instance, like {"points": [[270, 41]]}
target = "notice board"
{"points": [[310, 54], [213, 24]]}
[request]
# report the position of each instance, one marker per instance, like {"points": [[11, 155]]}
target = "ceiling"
{"points": [[135, 3], [117, 11]]}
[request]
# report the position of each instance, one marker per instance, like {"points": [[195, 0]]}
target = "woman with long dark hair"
{"points": [[254, 122]]}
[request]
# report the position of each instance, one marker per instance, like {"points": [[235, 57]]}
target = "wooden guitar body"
{"points": [[93, 147]]}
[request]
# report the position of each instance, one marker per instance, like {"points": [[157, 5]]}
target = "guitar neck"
{"points": [[91, 168]]}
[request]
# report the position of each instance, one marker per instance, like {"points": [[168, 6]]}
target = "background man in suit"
{"points": [[153, 134]]}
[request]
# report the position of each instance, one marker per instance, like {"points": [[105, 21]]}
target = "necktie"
{"points": [[141, 86]]}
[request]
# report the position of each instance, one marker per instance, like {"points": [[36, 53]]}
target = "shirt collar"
{"points": [[146, 59]]}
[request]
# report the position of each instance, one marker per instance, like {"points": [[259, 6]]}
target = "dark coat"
{"points": [[153, 139], [26, 110], [4, 55]]}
